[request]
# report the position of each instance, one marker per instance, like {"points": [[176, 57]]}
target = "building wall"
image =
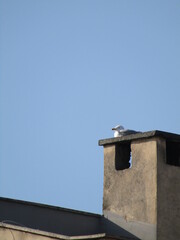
{"points": [[168, 202], [144, 199], [132, 193]]}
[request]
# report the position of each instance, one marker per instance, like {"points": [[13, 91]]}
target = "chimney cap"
{"points": [[141, 135]]}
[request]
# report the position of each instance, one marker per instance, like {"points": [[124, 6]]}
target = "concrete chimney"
{"points": [[143, 197]]}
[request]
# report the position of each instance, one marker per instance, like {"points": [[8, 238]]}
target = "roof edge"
{"points": [[57, 208], [60, 236], [49, 234]]}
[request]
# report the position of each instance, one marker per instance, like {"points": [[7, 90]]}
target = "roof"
{"points": [[48, 218], [56, 222], [46, 206]]}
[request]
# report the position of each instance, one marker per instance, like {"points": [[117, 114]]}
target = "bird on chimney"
{"points": [[119, 131]]}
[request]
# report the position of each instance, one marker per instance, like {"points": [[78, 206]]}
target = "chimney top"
{"points": [[142, 135]]}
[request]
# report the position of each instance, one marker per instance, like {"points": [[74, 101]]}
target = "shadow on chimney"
{"points": [[123, 156]]}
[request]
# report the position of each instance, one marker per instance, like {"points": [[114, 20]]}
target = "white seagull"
{"points": [[119, 131]]}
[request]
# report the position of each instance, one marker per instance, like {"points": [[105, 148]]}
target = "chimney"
{"points": [[143, 197]]}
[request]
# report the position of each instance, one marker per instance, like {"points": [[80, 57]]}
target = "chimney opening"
{"points": [[173, 153], [123, 159]]}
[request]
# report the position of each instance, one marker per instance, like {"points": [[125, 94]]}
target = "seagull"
{"points": [[119, 131]]}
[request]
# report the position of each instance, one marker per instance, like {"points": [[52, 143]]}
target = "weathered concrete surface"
{"points": [[144, 199], [132, 193], [168, 192], [138, 228]]}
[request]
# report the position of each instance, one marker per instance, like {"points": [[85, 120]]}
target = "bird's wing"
{"points": [[128, 132]]}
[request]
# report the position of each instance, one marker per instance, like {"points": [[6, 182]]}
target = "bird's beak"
{"points": [[113, 129]]}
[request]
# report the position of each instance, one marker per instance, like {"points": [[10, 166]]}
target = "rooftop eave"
{"points": [[141, 135], [50, 235]]}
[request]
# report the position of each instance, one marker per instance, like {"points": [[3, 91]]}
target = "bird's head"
{"points": [[118, 128]]}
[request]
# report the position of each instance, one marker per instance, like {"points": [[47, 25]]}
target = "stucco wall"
{"points": [[132, 193], [168, 210], [144, 199]]}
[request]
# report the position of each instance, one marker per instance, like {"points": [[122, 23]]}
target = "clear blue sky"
{"points": [[69, 72]]}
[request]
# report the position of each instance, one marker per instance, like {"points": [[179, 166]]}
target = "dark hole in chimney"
{"points": [[122, 156], [173, 153]]}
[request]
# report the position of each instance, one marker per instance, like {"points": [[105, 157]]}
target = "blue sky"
{"points": [[69, 72]]}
